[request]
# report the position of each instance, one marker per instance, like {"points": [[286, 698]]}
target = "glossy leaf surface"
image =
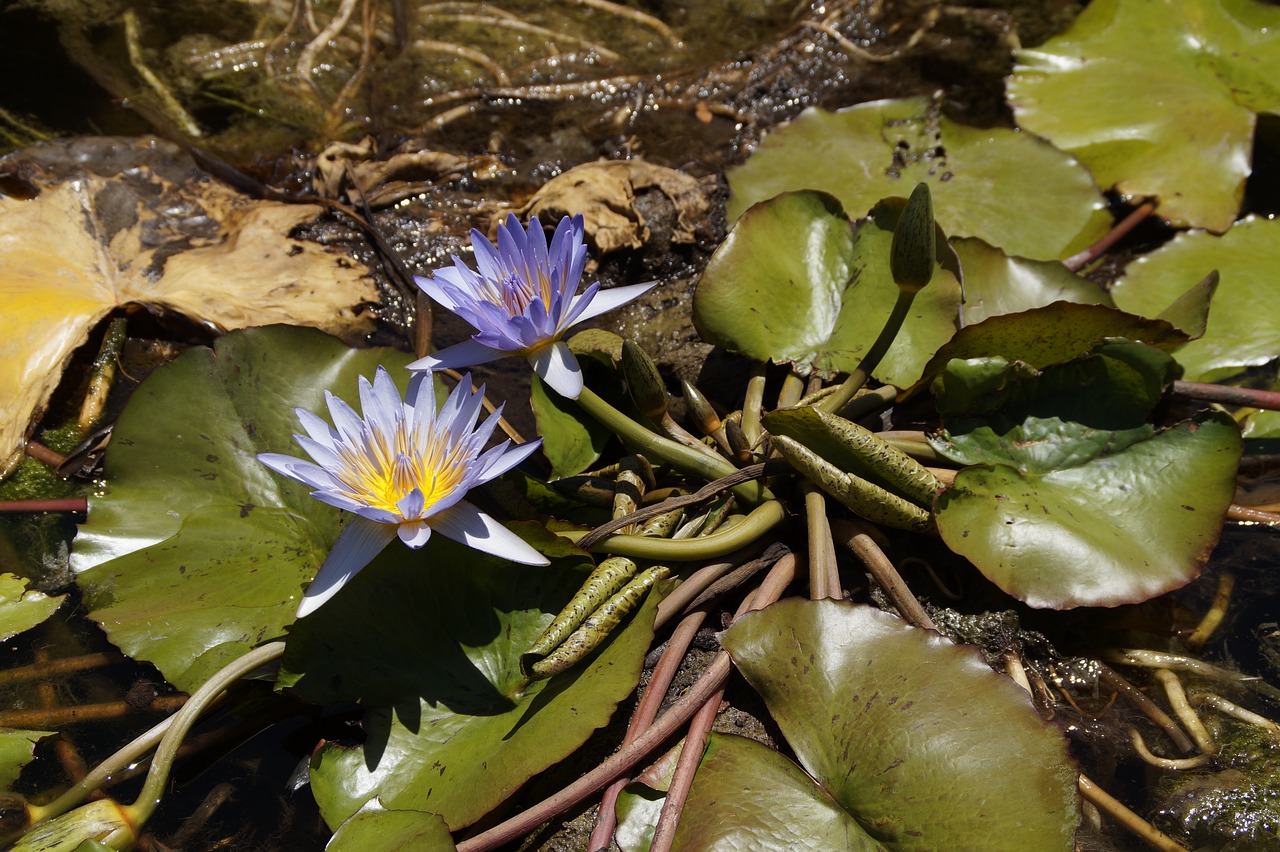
{"points": [[1244, 323], [900, 726], [198, 552], [1006, 187], [1180, 127], [795, 282]]}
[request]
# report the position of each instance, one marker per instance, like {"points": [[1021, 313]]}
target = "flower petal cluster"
{"points": [[403, 469], [522, 298]]}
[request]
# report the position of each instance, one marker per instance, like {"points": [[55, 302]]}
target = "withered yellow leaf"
{"points": [[84, 247]]}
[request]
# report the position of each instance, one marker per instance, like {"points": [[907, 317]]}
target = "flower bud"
{"points": [[643, 380], [913, 250], [700, 407]]}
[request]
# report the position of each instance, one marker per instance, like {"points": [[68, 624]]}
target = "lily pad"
{"points": [[1060, 515], [1006, 187], [376, 829], [996, 283], [795, 282], [1244, 325], [1159, 98], [197, 552], [22, 608], [915, 737], [452, 726], [747, 796], [1054, 334], [16, 748]]}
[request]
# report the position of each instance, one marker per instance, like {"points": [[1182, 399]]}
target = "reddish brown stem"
{"points": [[781, 576], [695, 742], [69, 504], [1079, 261], [646, 711], [1227, 395], [40, 452]]}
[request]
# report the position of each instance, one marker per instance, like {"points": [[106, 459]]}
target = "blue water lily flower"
{"points": [[403, 469], [522, 298]]}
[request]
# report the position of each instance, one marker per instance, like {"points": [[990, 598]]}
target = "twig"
{"points": [[68, 504], [307, 58], [179, 115], [637, 16], [711, 489], [469, 54], [1227, 395]]}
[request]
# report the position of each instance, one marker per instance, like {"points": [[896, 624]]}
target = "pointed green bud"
{"points": [[644, 383], [737, 441], [700, 407], [914, 242]]}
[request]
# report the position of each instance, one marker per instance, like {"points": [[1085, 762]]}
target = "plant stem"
{"points": [[883, 572], [763, 518], [872, 359], [709, 683], [708, 466], [158, 777], [1227, 395]]}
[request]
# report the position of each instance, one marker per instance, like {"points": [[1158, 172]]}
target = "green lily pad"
{"points": [[747, 796], [1159, 98], [1054, 334], [16, 748], [571, 440], [996, 283], [375, 829], [1060, 515], [452, 726], [1114, 386], [197, 552], [22, 608], [915, 737], [795, 282], [1006, 187], [1244, 326]]}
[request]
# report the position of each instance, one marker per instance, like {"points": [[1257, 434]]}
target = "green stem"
{"points": [[708, 466], [763, 518], [753, 405], [871, 360], [181, 723]]}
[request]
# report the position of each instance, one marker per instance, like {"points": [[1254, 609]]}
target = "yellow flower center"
{"points": [[387, 468]]}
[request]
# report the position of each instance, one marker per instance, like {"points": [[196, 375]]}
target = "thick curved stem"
{"points": [[763, 518]]}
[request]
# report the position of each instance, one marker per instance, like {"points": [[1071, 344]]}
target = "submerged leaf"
{"points": [[917, 738], [1159, 98], [22, 608]]}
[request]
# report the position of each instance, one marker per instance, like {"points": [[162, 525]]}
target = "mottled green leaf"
{"points": [[917, 738], [1006, 187], [1062, 515], [451, 724], [1244, 324], [1158, 98], [1054, 334], [197, 552]]}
